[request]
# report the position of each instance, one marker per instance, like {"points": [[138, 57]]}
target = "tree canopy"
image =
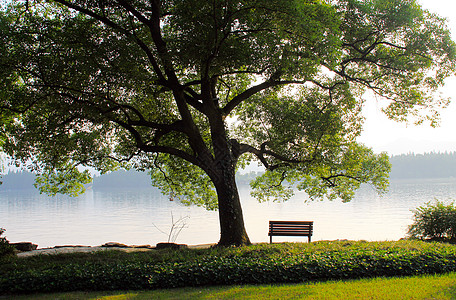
{"points": [[194, 89]]}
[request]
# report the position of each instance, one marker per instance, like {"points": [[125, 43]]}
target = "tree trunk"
{"points": [[232, 230], [222, 173]]}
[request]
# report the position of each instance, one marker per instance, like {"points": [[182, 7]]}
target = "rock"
{"points": [[71, 246], [170, 246], [141, 246], [115, 244], [119, 245], [24, 246]]}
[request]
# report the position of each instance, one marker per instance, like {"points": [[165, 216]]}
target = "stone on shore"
{"points": [[119, 245], [170, 246], [107, 247], [24, 246]]}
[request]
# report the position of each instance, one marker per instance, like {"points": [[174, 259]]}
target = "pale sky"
{"points": [[382, 134]]}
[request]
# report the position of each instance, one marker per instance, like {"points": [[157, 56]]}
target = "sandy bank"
{"points": [[89, 249]]}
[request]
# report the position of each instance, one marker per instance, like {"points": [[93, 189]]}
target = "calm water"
{"points": [[135, 217]]}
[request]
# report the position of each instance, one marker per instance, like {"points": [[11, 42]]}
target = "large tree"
{"points": [[193, 89]]}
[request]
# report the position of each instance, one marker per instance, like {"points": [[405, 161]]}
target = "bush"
{"points": [[5, 247], [258, 264], [434, 222]]}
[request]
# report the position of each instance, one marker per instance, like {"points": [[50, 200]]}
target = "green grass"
{"points": [[264, 265], [417, 287]]}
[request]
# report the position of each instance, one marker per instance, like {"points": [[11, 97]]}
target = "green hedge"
{"points": [[250, 265], [5, 248]]}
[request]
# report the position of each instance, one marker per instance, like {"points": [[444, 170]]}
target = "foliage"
{"points": [[434, 221], [5, 248], [259, 264], [94, 84]]}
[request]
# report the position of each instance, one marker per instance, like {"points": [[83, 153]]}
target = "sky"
{"points": [[395, 138]]}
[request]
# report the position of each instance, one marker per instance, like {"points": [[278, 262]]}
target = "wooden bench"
{"points": [[290, 228]]}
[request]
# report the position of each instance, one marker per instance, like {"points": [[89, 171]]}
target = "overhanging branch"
{"points": [[230, 106], [155, 148], [107, 110], [105, 20], [262, 152], [328, 179]]}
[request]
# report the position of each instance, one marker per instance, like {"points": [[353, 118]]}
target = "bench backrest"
{"points": [[290, 228]]}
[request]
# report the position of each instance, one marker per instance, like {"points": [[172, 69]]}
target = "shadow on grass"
{"points": [[416, 287]]}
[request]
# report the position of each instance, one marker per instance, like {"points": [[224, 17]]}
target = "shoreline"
{"points": [[106, 247]]}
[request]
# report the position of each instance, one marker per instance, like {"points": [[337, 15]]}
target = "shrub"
{"points": [[434, 222], [258, 264], [5, 247]]}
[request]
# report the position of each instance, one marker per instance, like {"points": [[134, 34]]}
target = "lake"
{"points": [[138, 217]]}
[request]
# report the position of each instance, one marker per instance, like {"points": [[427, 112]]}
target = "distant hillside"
{"points": [[134, 179], [18, 180], [428, 165], [122, 179], [23, 180]]}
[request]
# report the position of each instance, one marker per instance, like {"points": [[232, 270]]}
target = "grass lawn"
{"points": [[417, 287], [320, 270]]}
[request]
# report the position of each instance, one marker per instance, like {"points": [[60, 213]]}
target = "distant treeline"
{"points": [[18, 180], [134, 179], [118, 179], [428, 165], [121, 179]]}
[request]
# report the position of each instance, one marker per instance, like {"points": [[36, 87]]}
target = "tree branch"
{"points": [[155, 30], [332, 184], [155, 148], [112, 24], [67, 92], [260, 154], [230, 106], [133, 11]]}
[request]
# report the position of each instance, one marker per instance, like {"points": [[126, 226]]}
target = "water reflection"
{"points": [[133, 216]]}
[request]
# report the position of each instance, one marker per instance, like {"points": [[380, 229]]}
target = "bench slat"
{"points": [[289, 230], [290, 227], [289, 234], [292, 222], [293, 230]]}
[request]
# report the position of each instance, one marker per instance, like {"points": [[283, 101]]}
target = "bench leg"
{"points": [[270, 239], [309, 238]]}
